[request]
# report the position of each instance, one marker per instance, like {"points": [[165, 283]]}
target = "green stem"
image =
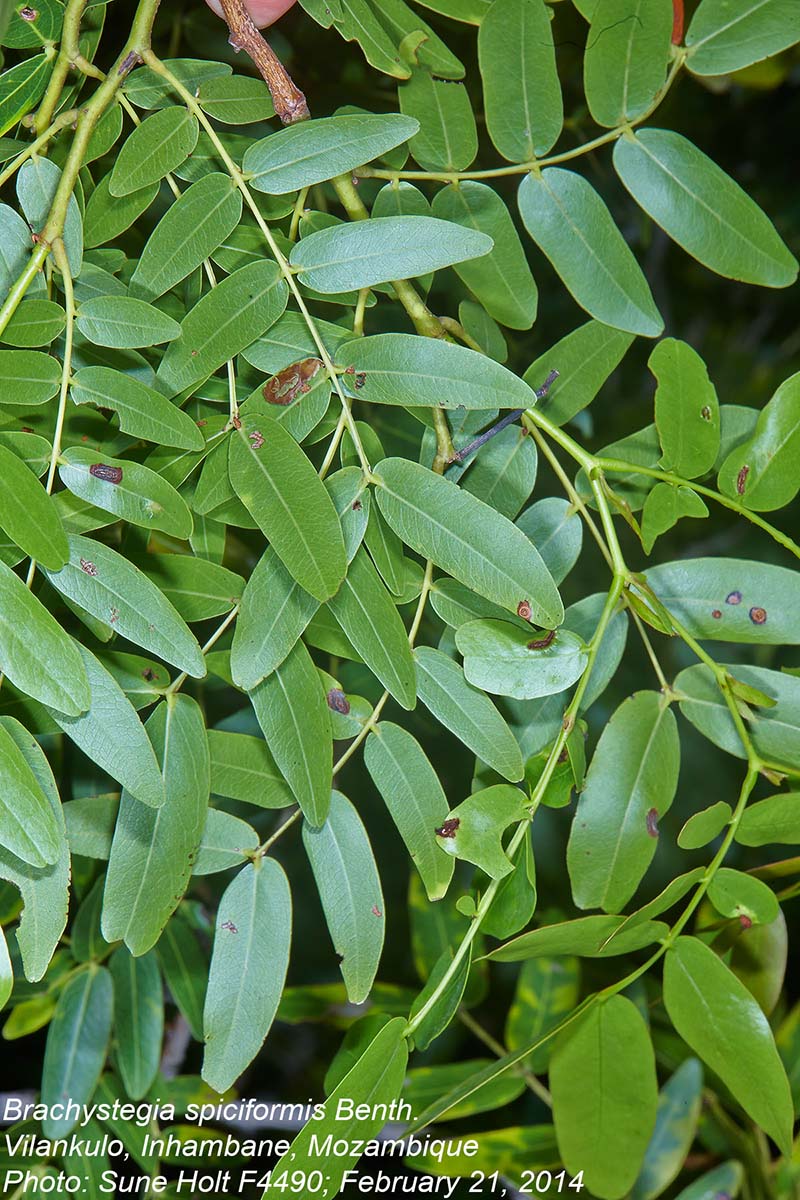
{"points": [[616, 467], [60, 122], [68, 52], [611, 135], [22, 283]]}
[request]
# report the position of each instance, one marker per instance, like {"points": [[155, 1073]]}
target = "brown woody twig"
{"points": [[290, 103]]}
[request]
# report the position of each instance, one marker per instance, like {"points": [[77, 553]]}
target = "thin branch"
{"points": [[290, 103]]}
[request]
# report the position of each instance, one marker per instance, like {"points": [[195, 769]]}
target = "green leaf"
{"points": [[515, 900], [447, 138], [146, 89], [741, 897], [235, 99], [124, 323], [76, 1047], [280, 487], [111, 734], [28, 826], [631, 783], [506, 660], [417, 372], [226, 320], [702, 208], [275, 611], [153, 849], [547, 991], [718, 1018], [143, 412], [185, 972], [108, 216], [411, 790], [572, 226], [128, 489], [760, 473], [731, 600], [466, 538], [406, 27], [37, 182], [352, 1111], [775, 731], [6, 971], [380, 249], [249, 960], [313, 151], [521, 89], [587, 937], [584, 360], [603, 1083], [664, 506], [44, 891], [557, 533], [679, 1104], [28, 515], [191, 229], [775, 820], [35, 323], [473, 829], [369, 618], [501, 280], [292, 712], [154, 148], [722, 38], [227, 842], [627, 52], [466, 712], [138, 1019], [242, 768], [20, 88], [445, 1003], [687, 409], [29, 377], [35, 652], [726, 1178], [504, 473], [350, 890], [424, 1085], [119, 595], [702, 827], [15, 245], [196, 588]]}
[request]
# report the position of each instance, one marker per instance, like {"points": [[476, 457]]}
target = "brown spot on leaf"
{"points": [[149, 674], [716, 613], [360, 380], [88, 568], [229, 925], [114, 616], [28, 14], [357, 506], [758, 616], [448, 828], [705, 413], [291, 382], [564, 755], [544, 642], [733, 598], [524, 610], [106, 473], [741, 480], [652, 822], [338, 702], [376, 912], [257, 439], [745, 921]]}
